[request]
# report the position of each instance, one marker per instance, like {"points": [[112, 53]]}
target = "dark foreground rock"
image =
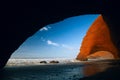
{"points": [[54, 61], [43, 62]]}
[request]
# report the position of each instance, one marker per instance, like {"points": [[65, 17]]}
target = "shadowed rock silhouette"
{"points": [[20, 20]]}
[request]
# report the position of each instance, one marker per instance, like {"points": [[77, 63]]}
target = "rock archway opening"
{"points": [[59, 40], [71, 38], [85, 37]]}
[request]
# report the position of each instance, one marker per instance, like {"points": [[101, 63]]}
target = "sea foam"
{"points": [[17, 62]]}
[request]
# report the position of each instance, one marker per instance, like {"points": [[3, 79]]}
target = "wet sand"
{"points": [[103, 70], [91, 70]]}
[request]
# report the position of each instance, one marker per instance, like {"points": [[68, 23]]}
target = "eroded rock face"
{"points": [[97, 39], [101, 55]]}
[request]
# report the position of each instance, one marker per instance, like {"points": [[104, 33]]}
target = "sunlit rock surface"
{"points": [[100, 55], [97, 39]]}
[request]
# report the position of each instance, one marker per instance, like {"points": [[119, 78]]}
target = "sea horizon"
{"points": [[37, 61]]}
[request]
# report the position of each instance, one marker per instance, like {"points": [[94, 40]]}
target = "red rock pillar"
{"points": [[96, 39]]}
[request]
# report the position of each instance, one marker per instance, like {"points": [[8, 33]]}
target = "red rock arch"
{"points": [[96, 39]]}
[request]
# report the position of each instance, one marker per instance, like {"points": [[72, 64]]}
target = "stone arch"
{"points": [[97, 39], [21, 20]]}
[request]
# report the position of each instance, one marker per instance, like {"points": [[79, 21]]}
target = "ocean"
{"points": [[88, 70]]}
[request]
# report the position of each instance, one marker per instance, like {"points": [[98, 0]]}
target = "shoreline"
{"points": [[30, 62], [23, 62], [82, 70]]}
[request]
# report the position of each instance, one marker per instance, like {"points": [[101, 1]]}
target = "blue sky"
{"points": [[59, 40]]}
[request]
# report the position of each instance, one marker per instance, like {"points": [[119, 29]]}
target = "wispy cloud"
{"points": [[52, 43], [49, 42], [46, 28], [67, 47]]}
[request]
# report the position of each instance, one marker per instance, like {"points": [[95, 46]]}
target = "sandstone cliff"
{"points": [[97, 39]]}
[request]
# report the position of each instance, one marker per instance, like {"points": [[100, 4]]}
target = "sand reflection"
{"points": [[95, 67]]}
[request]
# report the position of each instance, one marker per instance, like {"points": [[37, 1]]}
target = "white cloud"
{"points": [[67, 47], [52, 43], [49, 42], [44, 29]]}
